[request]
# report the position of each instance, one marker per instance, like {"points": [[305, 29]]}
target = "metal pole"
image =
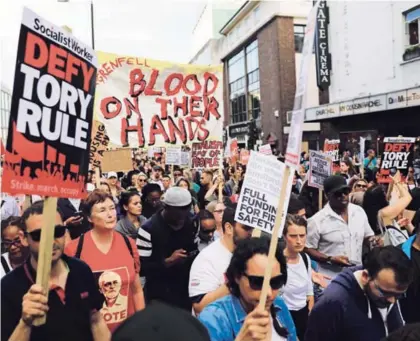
{"points": [[92, 24]]}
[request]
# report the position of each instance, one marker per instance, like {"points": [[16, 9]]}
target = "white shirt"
{"points": [[2, 270], [274, 335], [208, 269], [299, 285], [330, 234]]}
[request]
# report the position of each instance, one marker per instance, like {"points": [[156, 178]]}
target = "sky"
{"points": [[155, 29]]}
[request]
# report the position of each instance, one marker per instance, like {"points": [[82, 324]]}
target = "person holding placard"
{"points": [[237, 317], [73, 295]]}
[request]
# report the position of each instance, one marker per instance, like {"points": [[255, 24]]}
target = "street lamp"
{"points": [[92, 22]]}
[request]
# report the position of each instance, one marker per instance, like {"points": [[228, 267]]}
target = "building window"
{"points": [[244, 84], [412, 22], [299, 32]]}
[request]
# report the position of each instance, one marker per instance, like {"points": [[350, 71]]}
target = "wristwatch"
{"points": [[329, 260]]}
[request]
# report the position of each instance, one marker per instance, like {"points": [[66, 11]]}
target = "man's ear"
{"points": [[365, 277], [228, 229]]}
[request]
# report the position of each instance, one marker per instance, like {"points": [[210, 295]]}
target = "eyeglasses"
{"points": [[218, 211], [256, 282], [344, 191], [361, 186], [141, 180], [7, 243], [59, 232], [387, 294], [177, 174]]}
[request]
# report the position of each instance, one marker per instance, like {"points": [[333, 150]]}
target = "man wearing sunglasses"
{"points": [[336, 233], [207, 275], [73, 305], [361, 303], [236, 316]]}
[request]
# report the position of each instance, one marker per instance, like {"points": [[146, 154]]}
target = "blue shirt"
{"points": [[225, 317]]}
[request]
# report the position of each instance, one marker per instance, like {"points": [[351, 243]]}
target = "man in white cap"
{"points": [[167, 248]]}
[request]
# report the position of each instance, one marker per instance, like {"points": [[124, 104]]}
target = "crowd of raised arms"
{"points": [[156, 254]]}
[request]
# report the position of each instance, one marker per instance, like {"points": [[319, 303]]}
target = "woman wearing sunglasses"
{"points": [[298, 292], [15, 253], [113, 259], [236, 316]]}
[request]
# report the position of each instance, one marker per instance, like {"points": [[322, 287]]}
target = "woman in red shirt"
{"points": [[113, 259]]}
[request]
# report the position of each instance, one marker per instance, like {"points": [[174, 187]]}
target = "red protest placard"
{"points": [[206, 155], [47, 151], [244, 155], [397, 156]]}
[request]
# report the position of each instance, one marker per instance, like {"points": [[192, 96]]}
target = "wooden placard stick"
{"points": [[320, 197], [220, 189], [280, 216], [43, 269], [27, 203], [98, 178]]}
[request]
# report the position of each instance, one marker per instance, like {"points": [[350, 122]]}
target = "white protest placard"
{"points": [[265, 149], [151, 152], [173, 155], [185, 158], [320, 168], [259, 198], [296, 127]]}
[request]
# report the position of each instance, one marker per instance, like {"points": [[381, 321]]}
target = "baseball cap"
{"points": [[335, 183], [177, 197], [112, 175], [161, 322], [157, 168]]}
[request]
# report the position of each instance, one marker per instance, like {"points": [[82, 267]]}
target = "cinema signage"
{"points": [[323, 56]]}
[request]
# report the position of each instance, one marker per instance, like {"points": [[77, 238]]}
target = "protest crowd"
{"points": [[156, 228]]}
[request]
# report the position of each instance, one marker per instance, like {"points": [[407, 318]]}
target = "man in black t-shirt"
{"points": [[73, 305]]}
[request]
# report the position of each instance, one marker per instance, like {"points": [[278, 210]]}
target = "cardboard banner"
{"points": [[397, 155], [173, 155], [234, 151], [98, 144], [51, 113], [206, 155], [260, 193], [320, 168], [244, 157], [265, 149], [145, 102], [332, 148], [118, 160]]}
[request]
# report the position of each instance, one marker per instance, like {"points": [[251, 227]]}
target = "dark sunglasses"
{"points": [[9, 243], [256, 282], [361, 186], [141, 180], [177, 174], [207, 231], [388, 294], [59, 231], [345, 191]]}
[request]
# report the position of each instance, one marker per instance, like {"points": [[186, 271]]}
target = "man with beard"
{"points": [[206, 180], [167, 248], [207, 276], [72, 297], [336, 233], [361, 303], [237, 315]]}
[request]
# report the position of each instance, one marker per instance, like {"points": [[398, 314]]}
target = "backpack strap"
{"points": [[305, 260], [80, 246], [5, 265], [2, 203], [127, 242]]}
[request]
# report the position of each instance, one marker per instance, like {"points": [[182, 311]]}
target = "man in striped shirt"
{"points": [[167, 248]]}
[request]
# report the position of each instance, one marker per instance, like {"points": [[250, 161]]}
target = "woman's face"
{"points": [[134, 206], [183, 184], [295, 238], [154, 199], [134, 179], [11, 242], [141, 181], [360, 186], [104, 215], [343, 167], [112, 181], [105, 188]]}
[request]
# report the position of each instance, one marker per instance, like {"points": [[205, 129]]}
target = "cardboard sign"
{"points": [[173, 155], [118, 160], [145, 102], [331, 148], [260, 193], [397, 155], [51, 113], [206, 155], [320, 168], [244, 156], [265, 149], [98, 145], [298, 116]]}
